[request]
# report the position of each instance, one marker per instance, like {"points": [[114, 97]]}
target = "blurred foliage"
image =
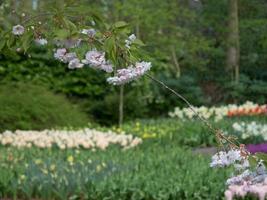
{"points": [[27, 106], [138, 173], [185, 41]]}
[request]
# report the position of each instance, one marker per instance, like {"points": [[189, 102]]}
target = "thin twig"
{"points": [[217, 132]]}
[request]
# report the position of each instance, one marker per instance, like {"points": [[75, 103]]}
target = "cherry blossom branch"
{"points": [[218, 132]]}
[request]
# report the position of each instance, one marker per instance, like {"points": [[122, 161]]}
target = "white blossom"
{"points": [[63, 56], [18, 30], [250, 129], [75, 63], [129, 41], [60, 53], [107, 67], [132, 37], [84, 138], [95, 58], [90, 32], [131, 73], [41, 41], [243, 165], [223, 159], [239, 179], [218, 113], [69, 57]]}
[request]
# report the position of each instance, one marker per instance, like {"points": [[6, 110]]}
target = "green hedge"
{"points": [[28, 106]]}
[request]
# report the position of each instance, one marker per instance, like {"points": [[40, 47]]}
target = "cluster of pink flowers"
{"points": [[97, 60], [70, 58], [90, 32], [94, 58], [259, 190], [131, 73], [248, 183], [245, 181], [224, 159]]}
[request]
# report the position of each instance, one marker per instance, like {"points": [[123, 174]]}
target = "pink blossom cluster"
{"points": [[70, 58], [259, 190], [131, 73], [94, 58], [223, 159], [90, 32], [245, 181], [248, 183], [256, 177], [97, 60]]}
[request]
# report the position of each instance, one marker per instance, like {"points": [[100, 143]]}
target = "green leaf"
{"points": [[62, 33], [120, 24], [262, 156], [110, 48], [252, 161], [2, 43], [11, 41], [26, 41], [70, 25], [138, 42]]}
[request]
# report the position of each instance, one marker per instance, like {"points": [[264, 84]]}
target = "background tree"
{"points": [[232, 60]]}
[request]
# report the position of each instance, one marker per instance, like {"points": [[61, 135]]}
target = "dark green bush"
{"points": [[246, 90], [28, 106]]}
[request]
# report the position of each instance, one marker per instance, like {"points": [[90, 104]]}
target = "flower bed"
{"points": [[218, 113], [86, 138], [246, 130], [153, 171], [254, 148]]}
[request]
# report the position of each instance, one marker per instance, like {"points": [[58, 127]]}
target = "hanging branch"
{"points": [[219, 134]]}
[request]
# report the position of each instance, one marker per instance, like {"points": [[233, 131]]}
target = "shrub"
{"points": [[28, 106]]}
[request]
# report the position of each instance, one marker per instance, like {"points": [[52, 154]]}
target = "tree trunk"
{"points": [[232, 60], [121, 106], [176, 63]]}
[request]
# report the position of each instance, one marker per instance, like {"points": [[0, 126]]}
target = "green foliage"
{"points": [[247, 89], [29, 106], [150, 171], [184, 40], [87, 87]]}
